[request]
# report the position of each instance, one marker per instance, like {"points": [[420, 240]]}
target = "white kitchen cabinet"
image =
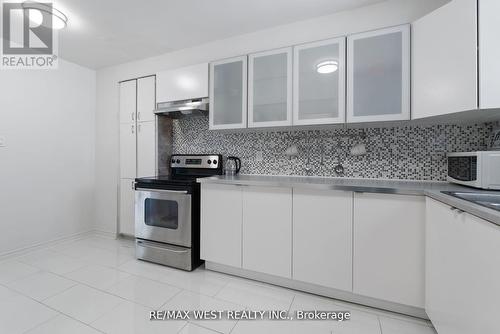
{"points": [[128, 101], [228, 94], [186, 83], [270, 88], [378, 75], [221, 224], [455, 54], [389, 247], [319, 82], [322, 238], [128, 150], [462, 271], [146, 149], [444, 60], [489, 53], [137, 143], [267, 230], [146, 99], [127, 209]]}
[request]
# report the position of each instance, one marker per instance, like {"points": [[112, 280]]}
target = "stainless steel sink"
{"points": [[489, 200]]}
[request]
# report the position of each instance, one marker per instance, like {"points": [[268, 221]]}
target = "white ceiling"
{"points": [[101, 33]]}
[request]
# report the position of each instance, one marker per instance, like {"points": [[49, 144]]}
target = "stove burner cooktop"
{"points": [[185, 169], [168, 179]]}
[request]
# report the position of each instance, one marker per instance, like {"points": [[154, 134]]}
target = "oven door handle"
{"points": [[163, 191]]}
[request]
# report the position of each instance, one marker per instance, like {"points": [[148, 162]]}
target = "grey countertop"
{"points": [[469, 207], [402, 187]]}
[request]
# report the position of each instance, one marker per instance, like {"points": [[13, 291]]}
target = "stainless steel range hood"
{"points": [[181, 109]]}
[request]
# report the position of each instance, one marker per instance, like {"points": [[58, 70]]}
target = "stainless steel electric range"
{"points": [[167, 212]]}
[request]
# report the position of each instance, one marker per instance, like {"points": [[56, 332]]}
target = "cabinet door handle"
{"points": [[139, 128], [133, 116], [133, 131], [457, 210], [139, 116]]}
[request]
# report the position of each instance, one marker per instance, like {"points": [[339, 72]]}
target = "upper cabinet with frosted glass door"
{"points": [[270, 88], [378, 75], [319, 82], [228, 94]]}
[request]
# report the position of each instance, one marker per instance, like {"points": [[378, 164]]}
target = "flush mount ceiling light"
{"points": [[37, 10], [328, 66]]}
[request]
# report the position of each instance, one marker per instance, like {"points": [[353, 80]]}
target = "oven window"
{"points": [[161, 213]]}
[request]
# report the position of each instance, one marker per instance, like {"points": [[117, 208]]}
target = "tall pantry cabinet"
{"points": [[137, 143]]}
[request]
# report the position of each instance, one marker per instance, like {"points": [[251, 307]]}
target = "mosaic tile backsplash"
{"points": [[407, 152]]}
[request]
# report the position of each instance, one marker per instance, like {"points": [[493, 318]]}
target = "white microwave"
{"points": [[475, 169]]}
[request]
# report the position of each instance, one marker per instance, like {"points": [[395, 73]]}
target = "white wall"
{"points": [[47, 167], [385, 14]]}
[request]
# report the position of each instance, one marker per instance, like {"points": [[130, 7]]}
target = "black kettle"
{"points": [[232, 166]]}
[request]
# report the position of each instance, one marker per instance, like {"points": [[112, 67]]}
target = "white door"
{"points": [[184, 83], [221, 220], [146, 99], [444, 60], [228, 94], [462, 271], [322, 238], [146, 149], [378, 75], [128, 101], [270, 88], [128, 152], [127, 207], [481, 256], [319, 82], [443, 294], [489, 54], [267, 230], [389, 247]]}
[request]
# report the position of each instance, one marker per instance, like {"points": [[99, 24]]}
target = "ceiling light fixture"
{"points": [[328, 66], [37, 10]]}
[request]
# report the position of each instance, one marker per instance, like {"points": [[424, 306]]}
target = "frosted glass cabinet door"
{"points": [[319, 82], [228, 94], [270, 88], [378, 75]]}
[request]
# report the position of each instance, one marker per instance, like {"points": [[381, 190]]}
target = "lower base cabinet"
{"points": [[462, 271], [366, 244], [322, 238], [267, 230], [127, 207], [221, 222], [389, 243]]}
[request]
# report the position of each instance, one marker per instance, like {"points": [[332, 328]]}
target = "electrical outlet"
{"points": [[2, 141], [258, 156]]}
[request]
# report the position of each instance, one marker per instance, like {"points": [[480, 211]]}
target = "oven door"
{"points": [[163, 216]]}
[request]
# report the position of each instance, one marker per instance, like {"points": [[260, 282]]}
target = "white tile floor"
{"points": [[95, 285]]}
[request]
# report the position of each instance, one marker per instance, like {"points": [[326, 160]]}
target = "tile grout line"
{"points": [[225, 282], [210, 329], [53, 309], [180, 330], [110, 293], [86, 285]]}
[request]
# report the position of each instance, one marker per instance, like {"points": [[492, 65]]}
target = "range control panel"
{"points": [[196, 161]]}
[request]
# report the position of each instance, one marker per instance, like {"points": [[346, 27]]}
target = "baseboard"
{"points": [[105, 234], [44, 244], [126, 236], [319, 290]]}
